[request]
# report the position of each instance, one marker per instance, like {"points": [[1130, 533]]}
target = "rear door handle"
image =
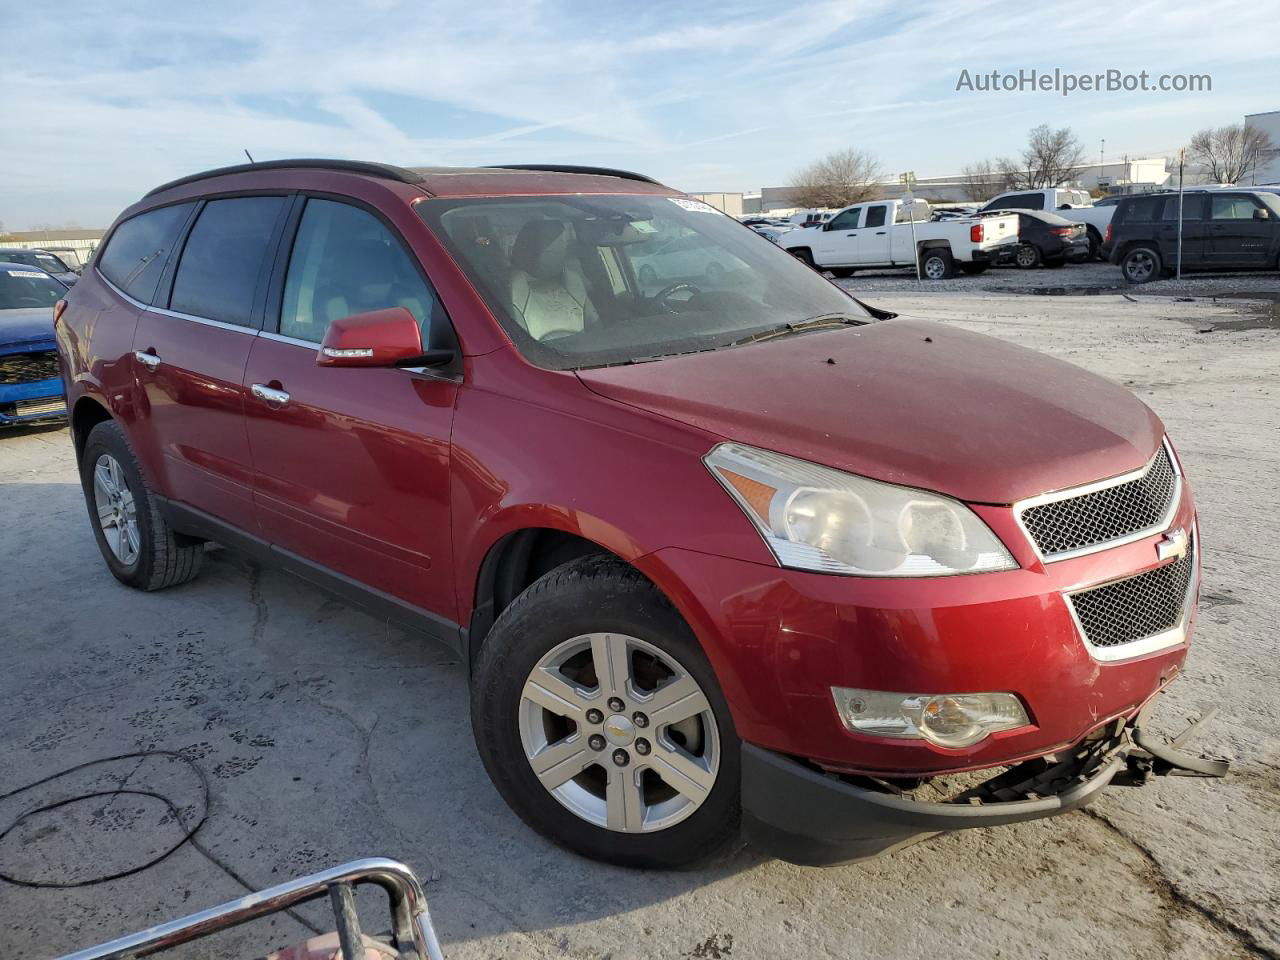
{"points": [[271, 397], [880, 233], [148, 360]]}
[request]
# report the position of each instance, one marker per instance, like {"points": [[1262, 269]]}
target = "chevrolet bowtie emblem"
{"points": [[1174, 544]]}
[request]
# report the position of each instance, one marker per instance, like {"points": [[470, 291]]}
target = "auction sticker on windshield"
{"points": [[695, 205]]}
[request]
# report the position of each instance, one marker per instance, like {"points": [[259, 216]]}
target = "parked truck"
{"points": [[881, 234], [1070, 203]]}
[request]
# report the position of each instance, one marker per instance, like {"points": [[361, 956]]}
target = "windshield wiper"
{"points": [[801, 326]]}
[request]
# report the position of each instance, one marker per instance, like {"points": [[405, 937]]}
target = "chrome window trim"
{"points": [[284, 338], [165, 312], [1157, 641], [1072, 492]]}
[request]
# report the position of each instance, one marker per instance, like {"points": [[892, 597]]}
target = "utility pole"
{"points": [[908, 180], [1182, 155]]}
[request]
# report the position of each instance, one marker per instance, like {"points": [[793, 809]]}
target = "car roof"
{"points": [[511, 179]]}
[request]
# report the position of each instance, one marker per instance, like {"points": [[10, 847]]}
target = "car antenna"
{"points": [[249, 155]]}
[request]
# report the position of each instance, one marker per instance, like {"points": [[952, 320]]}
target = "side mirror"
{"points": [[378, 338], [1261, 214]]}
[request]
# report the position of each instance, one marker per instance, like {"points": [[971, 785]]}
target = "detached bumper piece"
{"points": [[801, 814]]}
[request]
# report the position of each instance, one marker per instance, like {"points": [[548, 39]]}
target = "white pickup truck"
{"points": [[878, 234], [1069, 203]]}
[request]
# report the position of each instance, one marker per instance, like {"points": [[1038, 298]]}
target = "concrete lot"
{"points": [[326, 736]]}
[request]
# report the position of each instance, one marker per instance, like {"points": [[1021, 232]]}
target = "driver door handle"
{"points": [[270, 396], [148, 360]]}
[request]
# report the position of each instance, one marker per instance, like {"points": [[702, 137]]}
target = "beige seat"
{"points": [[547, 290]]}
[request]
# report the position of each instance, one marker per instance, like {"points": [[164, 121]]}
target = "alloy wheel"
{"points": [[619, 732], [1026, 256], [116, 508], [1139, 266]]}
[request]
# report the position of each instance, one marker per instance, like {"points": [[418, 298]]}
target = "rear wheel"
{"points": [[1095, 243], [936, 264], [1027, 256], [1141, 265], [842, 273], [600, 721], [139, 547]]}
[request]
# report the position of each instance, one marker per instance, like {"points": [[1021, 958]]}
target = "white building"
{"points": [[1268, 166]]}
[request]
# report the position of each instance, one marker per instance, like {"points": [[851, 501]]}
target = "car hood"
{"points": [[906, 401], [30, 325]]}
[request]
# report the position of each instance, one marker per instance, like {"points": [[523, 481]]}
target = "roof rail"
{"points": [[384, 170], [571, 168]]}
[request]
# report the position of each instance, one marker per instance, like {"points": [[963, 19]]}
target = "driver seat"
{"points": [[547, 291]]}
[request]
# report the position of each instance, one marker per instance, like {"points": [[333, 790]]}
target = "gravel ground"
{"points": [[1072, 278], [326, 735]]}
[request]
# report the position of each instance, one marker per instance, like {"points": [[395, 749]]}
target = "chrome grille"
{"points": [[29, 367], [1137, 607], [1097, 518]]}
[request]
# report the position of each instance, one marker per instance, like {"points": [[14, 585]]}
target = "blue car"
{"points": [[31, 388]]}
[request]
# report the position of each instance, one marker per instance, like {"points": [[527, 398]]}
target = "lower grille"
{"points": [[1138, 607], [29, 367]]}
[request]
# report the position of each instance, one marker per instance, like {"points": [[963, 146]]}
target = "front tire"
{"points": [[137, 543], [805, 256], [601, 723]]}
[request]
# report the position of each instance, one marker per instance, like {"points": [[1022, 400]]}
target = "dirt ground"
{"points": [[325, 735]]}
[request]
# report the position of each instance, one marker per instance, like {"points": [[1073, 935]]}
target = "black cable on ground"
{"points": [[188, 833]]}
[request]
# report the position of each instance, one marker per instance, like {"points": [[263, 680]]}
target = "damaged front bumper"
{"points": [[803, 815]]}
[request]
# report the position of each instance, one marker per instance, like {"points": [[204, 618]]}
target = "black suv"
{"points": [[1221, 230]]}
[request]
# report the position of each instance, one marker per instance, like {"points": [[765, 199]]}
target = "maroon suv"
{"points": [[722, 548]]}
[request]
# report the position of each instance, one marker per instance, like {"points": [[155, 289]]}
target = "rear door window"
{"points": [[136, 253], [345, 261], [876, 215], [224, 259]]}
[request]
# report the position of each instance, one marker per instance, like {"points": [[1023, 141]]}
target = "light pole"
{"points": [[1102, 155]]}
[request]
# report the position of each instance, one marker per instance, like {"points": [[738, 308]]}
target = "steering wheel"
{"points": [[665, 293]]}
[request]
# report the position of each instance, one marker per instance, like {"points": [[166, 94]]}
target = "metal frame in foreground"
{"points": [[414, 936]]}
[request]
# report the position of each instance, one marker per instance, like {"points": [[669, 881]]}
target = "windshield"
{"points": [[28, 288], [47, 261], [582, 281]]}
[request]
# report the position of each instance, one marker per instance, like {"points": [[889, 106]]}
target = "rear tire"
{"points": [[1095, 243], [1141, 265], [1027, 256], [842, 273], [137, 543], [936, 264], [612, 607]]}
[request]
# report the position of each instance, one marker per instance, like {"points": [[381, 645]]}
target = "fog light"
{"points": [[949, 719]]}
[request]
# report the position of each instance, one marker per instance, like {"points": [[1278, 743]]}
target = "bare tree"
{"points": [[1228, 154], [837, 180], [1050, 158], [982, 180]]}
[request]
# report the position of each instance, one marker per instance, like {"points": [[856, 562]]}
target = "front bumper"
{"points": [[38, 401], [802, 815]]}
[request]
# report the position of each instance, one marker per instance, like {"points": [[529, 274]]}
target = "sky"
{"points": [[103, 101]]}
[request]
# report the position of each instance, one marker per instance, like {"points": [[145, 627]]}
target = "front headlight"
{"points": [[949, 719], [817, 518]]}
